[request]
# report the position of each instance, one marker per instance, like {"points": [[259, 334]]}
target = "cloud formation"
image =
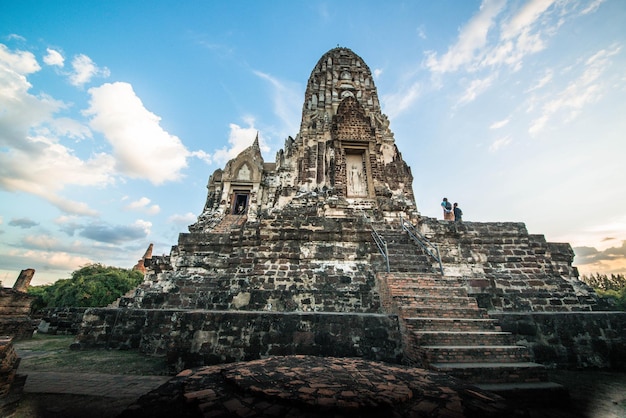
{"points": [[116, 234], [143, 205], [23, 223], [84, 70], [141, 147], [54, 58], [585, 89], [33, 159], [239, 139], [591, 260]]}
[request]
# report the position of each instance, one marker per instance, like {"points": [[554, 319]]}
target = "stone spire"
{"points": [[141, 264]]}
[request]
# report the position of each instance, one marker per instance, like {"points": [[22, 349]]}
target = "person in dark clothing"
{"points": [[458, 213]]}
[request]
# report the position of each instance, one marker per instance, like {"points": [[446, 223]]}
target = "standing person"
{"points": [[458, 213], [447, 210]]}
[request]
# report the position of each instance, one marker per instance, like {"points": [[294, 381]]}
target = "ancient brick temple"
{"points": [[324, 252]]}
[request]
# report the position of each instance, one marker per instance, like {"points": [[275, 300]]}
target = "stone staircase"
{"points": [[229, 222], [444, 330], [404, 255]]}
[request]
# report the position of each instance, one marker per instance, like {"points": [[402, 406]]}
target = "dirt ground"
{"points": [[596, 394]]}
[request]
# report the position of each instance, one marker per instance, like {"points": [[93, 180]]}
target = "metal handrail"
{"points": [[382, 245], [378, 240], [430, 249]]}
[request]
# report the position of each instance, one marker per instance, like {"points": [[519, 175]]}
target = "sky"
{"points": [[113, 114]]}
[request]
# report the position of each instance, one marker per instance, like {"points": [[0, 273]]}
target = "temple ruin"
{"points": [[324, 252]]}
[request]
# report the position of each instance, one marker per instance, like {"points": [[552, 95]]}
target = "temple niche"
{"points": [[344, 151]]}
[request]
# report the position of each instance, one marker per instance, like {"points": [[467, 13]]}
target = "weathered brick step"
{"points": [[417, 283], [452, 324], [470, 338], [443, 312], [464, 354], [424, 268], [524, 372], [435, 301], [430, 291]]}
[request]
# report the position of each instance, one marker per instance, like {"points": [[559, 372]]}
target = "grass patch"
{"points": [[45, 353]]}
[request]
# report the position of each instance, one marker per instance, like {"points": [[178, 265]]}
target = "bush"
{"points": [[94, 285]]}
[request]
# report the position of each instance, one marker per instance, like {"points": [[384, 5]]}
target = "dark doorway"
{"points": [[240, 205]]}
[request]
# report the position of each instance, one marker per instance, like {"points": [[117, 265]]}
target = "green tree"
{"points": [[93, 285], [609, 287]]}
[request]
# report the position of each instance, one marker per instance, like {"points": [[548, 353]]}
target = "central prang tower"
{"points": [[344, 152]]}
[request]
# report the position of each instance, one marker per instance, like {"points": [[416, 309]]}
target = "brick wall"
{"points": [[60, 321], [570, 340], [15, 314], [194, 338], [509, 269]]}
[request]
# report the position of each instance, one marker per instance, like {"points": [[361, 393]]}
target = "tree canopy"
{"points": [[93, 285], [612, 287]]}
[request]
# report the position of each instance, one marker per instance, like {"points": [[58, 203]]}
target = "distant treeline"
{"points": [[94, 285], [610, 287]]}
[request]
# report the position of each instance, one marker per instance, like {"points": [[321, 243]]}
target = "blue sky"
{"points": [[113, 114]]}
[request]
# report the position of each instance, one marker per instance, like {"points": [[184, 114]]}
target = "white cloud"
{"points": [[585, 89], [525, 18], [141, 147], [21, 62], [499, 143], [499, 124], [239, 139], [57, 260], [549, 74], [287, 100], [470, 42], [377, 72], [500, 35], [84, 69], [43, 167], [592, 7], [54, 58], [32, 159], [395, 104], [143, 205], [69, 128], [42, 241], [475, 88], [203, 156]]}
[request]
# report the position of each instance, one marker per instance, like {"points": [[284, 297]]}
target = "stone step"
{"points": [[412, 301], [483, 373], [421, 282], [470, 338], [431, 291], [452, 324], [443, 312], [425, 268], [474, 354]]}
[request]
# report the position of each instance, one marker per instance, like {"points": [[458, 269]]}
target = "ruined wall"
{"points": [[570, 340], [508, 269], [291, 261], [194, 338], [60, 321], [15, 317]]}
